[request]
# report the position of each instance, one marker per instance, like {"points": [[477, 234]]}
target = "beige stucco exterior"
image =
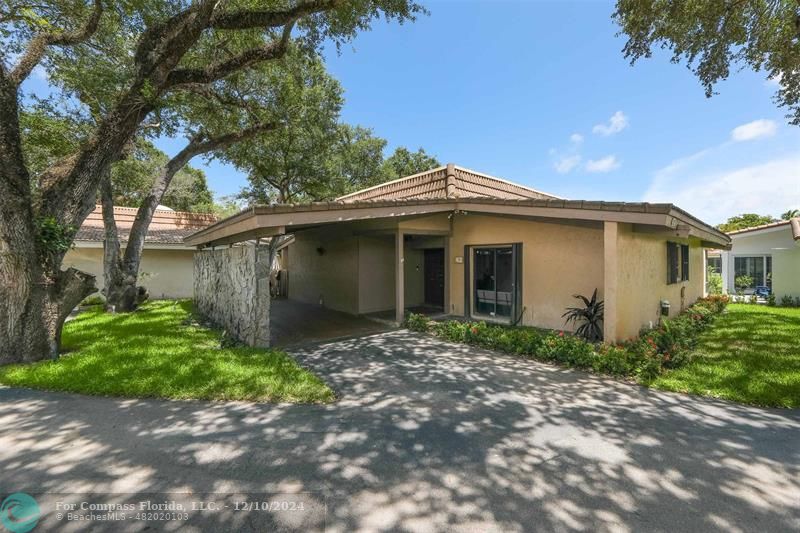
{"points": [[351, 267], [167, 273], [558, 260], [641, 279]]}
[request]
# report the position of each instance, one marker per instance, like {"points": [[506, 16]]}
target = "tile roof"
{"points": [[167, 227], [793, 223], [326, 212], [448, 181]]}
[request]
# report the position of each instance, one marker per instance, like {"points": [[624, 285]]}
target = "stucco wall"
{"points": [[331, 276], [165, 273], [642, 279], [231, 288], [376, 273], [558, 261], [777, 243]]}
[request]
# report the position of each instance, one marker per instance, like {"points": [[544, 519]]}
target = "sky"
{"points": [[539, 93]]}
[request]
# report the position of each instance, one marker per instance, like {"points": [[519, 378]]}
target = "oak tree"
{"points": [[177, 47]]}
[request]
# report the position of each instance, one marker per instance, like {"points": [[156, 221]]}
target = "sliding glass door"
{"points": [[493, 282]]}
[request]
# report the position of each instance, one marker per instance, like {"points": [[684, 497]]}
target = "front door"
{"points": [[493, 282], [434, 277]]}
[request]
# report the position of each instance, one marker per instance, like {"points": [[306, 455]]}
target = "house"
{"points": [[166, 268], [472, 245], [768, 255]]}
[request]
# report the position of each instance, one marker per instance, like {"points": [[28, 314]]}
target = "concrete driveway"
{"points": [[427, 436]]}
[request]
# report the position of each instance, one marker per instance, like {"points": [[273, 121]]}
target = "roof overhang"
{"points": [[266, 221]]}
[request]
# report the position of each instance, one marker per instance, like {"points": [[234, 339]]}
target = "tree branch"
{"points": [[38, 45], [217, 71], [247, 18], [133, 250]]}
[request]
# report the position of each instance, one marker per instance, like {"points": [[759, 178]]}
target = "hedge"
{"points": [[645, 357]]}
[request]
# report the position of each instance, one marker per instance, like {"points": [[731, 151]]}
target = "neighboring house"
{"points": [[166, 268], [768, 254], [472, 245]]}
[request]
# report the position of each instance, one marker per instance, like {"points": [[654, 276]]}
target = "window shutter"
{"points": [[672, 263], [516, 309], [684, 262]]}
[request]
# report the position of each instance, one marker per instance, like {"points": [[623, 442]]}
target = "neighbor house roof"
{"points": [[167, 228], [264, 221], [794, 225], [449, 181]]}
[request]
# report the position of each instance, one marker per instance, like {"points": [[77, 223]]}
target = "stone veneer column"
{"points": [[231, 289]]}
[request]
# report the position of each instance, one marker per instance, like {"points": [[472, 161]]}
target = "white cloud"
{"points": [[616, 124], [767, 188], [775, 81], [754, 130], [604, 164], [576, 138], [565, 164]]}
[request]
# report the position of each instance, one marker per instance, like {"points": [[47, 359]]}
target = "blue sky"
{"points": [[539, 93]]}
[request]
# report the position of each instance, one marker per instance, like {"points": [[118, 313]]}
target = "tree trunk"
{"points": [[120, 288], [122, 274], [34, 306]]}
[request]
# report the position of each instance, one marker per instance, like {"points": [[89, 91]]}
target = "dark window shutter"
{"points": [[672, 263], [516, 314], [684, 262]]}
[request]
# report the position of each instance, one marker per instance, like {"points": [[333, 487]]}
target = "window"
{"points": [[758, 268], [715, 264], [677, 262], [494, 290]]}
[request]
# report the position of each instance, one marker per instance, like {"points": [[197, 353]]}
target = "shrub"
{"points": [[93, 299], [417, 322], [589, 317], [713, 281], [644, 357], [742, 283], [771, 300]]}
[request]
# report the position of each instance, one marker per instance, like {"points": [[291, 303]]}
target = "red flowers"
{"points": [[560, 333]]}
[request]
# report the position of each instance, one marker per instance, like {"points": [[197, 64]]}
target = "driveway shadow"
{"points": [[426, 436]]}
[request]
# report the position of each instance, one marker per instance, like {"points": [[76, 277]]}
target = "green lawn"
{"points": [[751, 354], [158, 352]]}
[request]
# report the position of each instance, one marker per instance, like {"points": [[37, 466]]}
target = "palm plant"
{"points": [[790, 214], [589, 317]]}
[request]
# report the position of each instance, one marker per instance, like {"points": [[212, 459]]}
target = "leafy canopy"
{"points": [[714, 37], [744, 221]]}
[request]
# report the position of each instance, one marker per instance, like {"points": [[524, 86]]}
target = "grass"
{"points": [[751, 354], [159, 352]]}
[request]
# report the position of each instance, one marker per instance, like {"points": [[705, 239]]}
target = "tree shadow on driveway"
{"points": [[426, 436]]}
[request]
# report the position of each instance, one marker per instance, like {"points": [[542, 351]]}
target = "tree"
{"points": [[177, 49], [405, 163], [356, 161], [790, 214], [291, 164], [746, 220], [189, 191], [714, 37]]}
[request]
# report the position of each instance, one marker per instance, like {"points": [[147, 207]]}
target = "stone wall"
{"points": [[231, 289]]}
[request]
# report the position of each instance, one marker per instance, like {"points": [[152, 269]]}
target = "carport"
{"points": [[232, 268]]}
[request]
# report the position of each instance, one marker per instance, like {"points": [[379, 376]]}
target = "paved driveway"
{"points": [[427, 436]]}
